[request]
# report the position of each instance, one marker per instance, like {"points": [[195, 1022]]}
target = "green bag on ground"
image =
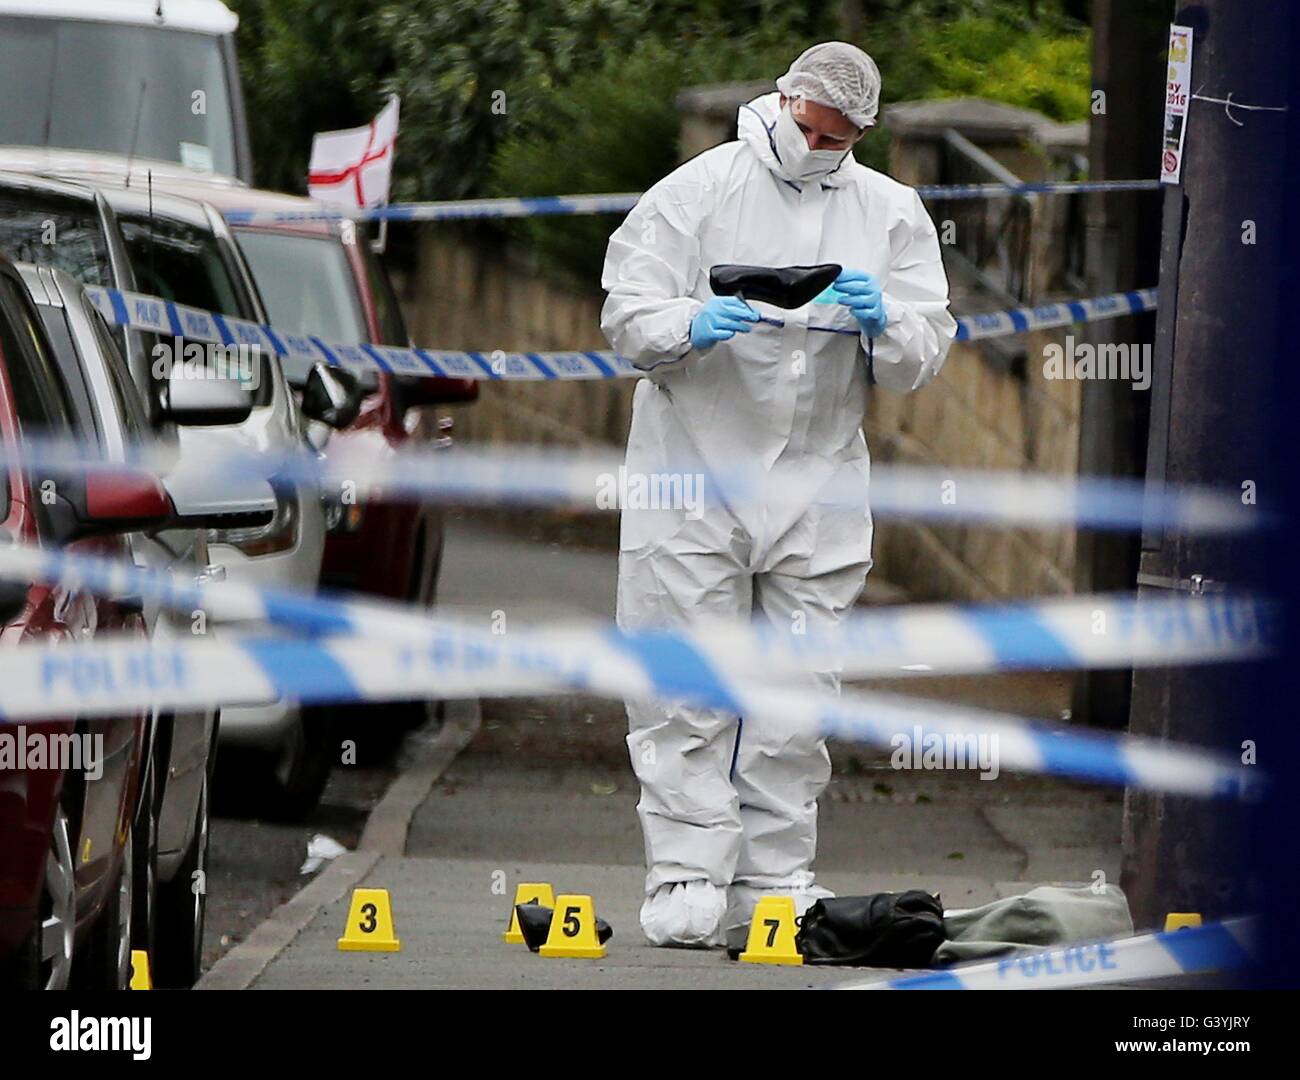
{"points": [[1045, 917]]}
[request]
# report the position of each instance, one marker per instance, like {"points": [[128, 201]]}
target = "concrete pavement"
{"points": [[543, 792], [488, 824]]}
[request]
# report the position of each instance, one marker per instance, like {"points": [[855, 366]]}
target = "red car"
{"points": [[66, 829]]}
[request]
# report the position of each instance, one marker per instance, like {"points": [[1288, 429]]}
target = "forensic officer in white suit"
{"points": [[729, 805]]}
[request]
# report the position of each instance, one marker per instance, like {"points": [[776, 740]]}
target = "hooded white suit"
{"points": [[720, 802]]}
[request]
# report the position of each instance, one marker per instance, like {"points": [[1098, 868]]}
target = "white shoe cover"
{"points": [[742, 899], [684, 914]]}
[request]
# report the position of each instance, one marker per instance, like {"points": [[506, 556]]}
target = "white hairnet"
{"points": [[838, 75]]}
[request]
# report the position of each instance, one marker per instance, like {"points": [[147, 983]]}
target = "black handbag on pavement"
{"points": [[893, 930]]}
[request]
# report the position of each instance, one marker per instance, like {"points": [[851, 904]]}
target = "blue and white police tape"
{"points": [[151, 313], [594, 481], [598, 481], [1229, 946], [993, 324], [934, 735], [622, 202], [109, 676], [720, 667], [1067, 633]]}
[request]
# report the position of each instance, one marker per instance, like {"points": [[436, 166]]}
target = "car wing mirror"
{"points": [[331, 395], [104, 503], [213, 499], [196, 396]]}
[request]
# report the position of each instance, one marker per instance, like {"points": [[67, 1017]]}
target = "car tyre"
{"points": [[105, 963], [182, 909], [44, 961]]}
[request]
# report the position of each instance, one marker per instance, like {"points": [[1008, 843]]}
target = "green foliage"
{"points": [[976, 56], [308, 66], [615, 129], [462, 68], [544, 97]]}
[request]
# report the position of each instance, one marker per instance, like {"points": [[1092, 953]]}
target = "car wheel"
{"points": [[44, 961], [283, 785], [302, 769], [182, 907], [106, 964]]}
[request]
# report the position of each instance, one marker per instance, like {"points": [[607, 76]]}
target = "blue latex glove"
{"points": [[721, 318], [860, 293]]}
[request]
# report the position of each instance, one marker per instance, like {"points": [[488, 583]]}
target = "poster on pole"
{"points": [[1178, 95]]}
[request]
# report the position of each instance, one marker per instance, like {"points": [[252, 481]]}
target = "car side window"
{"points": [[189, 266], [54, 232], [40, 395]]}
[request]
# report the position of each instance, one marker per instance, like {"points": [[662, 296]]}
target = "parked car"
{"points": [[324, 278], [181, 249], [68, 835], [171, 845], [124, 78], [69, 226]]}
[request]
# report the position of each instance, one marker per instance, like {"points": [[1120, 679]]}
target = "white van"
{"points": [[155, 81]]}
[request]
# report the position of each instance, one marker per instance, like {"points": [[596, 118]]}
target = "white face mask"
{"points": [[797, 160]]}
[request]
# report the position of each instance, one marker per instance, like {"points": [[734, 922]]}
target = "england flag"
{"points": [[354, 167]]}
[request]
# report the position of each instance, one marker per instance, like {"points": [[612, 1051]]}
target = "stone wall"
{"points": [[471, 293], [977, 415]]}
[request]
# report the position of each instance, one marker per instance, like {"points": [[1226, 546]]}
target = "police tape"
{"points": [[622, 202], [1215, 948], [114, 675], [1064, 634], [156, 315], [405, 654], [598, 481], [993, 324]]}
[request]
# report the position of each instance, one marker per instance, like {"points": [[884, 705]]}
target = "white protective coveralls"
{"points": [[727, 803]]}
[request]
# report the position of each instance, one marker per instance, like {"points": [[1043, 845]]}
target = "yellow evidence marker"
{"points": [[1181, 920], [771, 933], [527, 892], [140, 977], [370, 923], [573, 930]]}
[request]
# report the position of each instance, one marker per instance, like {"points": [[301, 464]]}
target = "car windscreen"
{"points": [[307, 287], [56, 233], [186, 265], [136, 90], [391, 324]]}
